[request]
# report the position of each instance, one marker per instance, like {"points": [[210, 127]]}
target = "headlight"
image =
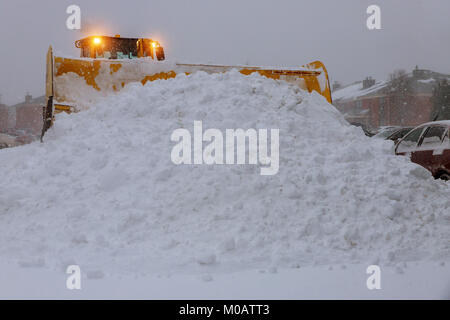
{"points": [[97, 41]]}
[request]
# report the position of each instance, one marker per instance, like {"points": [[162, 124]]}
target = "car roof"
{"points": [[435, 123], [402, 129]]}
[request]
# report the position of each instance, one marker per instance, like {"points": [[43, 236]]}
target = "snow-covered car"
{"points": [[385, 132], [366, 130], [400, 133], [429, 146], [394, 133]]}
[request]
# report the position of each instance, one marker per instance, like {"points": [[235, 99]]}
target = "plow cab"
{"points": [[97, 47]]}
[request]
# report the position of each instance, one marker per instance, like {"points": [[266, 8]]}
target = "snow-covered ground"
{"points": [[103, 193]]}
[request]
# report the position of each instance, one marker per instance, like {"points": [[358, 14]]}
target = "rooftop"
{"points": [[356, 90], [29, 100], [422, 81]]}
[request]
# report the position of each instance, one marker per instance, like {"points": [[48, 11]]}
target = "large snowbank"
{"points": [[103, 193]]}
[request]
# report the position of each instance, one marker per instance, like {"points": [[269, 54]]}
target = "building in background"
{"points": [[406, 99], [29, 115], [4, 117], [21, 123], [7, 122]]}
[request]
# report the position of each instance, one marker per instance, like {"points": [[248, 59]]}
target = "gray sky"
{"points": [[258, 32]]}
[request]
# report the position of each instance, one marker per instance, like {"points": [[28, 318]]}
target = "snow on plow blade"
{"points": [[73, 84]]}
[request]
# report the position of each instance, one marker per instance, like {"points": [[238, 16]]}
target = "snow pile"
{"points": [[102, 191], [111, 75]]}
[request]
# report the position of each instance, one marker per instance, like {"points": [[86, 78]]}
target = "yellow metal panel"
{"points": [[111, 75], [49, 73]]}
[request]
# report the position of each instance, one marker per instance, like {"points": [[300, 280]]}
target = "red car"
{"points": [[429, 146]]}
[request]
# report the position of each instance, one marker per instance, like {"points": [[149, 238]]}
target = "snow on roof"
{"points": [[39, 100], [356, 90], [427, 80], [441, 122]]}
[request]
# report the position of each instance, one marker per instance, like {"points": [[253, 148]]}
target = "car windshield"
{"points": [[410, 141], [386, 133], [399, 133], [432, 137]]}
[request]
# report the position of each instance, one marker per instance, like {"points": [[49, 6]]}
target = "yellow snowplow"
{"points": [[108, 64]]}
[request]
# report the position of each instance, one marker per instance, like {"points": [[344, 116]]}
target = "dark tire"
{"points": [[444, 176]]}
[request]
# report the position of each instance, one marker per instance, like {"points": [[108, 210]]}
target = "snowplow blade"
{"points": [[73, 84], [310, 77]]}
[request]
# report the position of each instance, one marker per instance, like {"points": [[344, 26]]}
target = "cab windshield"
{"points": [[111, 48]]}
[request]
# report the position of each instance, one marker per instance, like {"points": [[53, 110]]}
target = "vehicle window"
{"points": [[432, 138], [399, 134], [446, 140], [386, 133], [409, 143]]}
